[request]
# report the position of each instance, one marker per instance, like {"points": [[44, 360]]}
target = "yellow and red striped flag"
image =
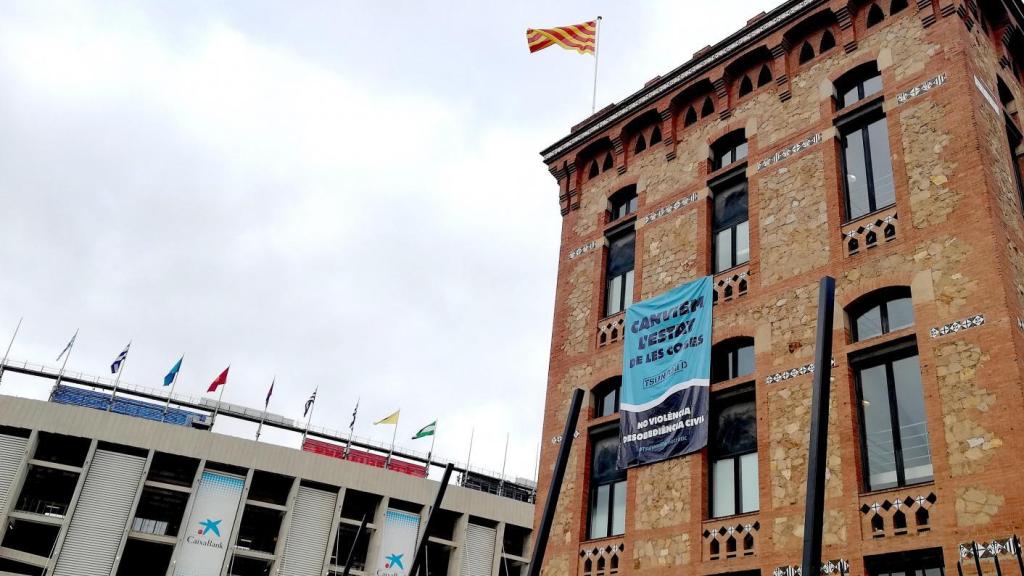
{"points": [[579, 37]]}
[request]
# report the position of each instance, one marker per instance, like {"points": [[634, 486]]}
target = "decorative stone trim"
{"points": [[666, 210], [897, 515], [958, 325], [730, 541], [793, 373], [840, 567], [1020, 323], [588, 247], [557, 439], [1009, 546], [785, 153], [859, 236], [611, 330], [920, 89], [674, 82], [601, 561], [731, 285]]}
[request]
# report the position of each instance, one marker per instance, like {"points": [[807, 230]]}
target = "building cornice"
{"points": [[674, 79]]}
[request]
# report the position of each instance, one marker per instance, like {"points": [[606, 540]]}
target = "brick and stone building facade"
{"points": [[876, 141]]}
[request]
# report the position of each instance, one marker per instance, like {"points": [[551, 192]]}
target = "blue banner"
{"points": [[666, 374]]}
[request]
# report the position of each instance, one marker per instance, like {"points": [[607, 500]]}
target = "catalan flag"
{"points": [[579, 37]]}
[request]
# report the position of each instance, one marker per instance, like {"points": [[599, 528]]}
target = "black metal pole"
{"points": [[352, 549], [548, 516], [977, 557], [816, 460], [1016, 552], [417, 560]]}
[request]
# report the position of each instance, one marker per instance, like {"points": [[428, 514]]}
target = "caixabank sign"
{"points": [[209, 525]]}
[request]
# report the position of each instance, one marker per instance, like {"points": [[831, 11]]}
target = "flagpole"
{"points": [[3, 365], [504, 461], [265, 406], [310, 418], [174, 382], [597, 51], [216, 409], [117, 381], [351, 429], [60, 375], [468, 456], [387, 463], [433, 438]]}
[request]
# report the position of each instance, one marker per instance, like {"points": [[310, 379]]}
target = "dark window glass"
{"points": [[606, 398], [897, 6], [608, 162], [806, 52], [875, 15], [733, 482], [867, 167], [1014, 139], [641, 144], [656, 135], [623, 203], [593, 170], [858, 84], [708, 108], [765, 77], [894, 427], [828, 42], [729, 149], [884, 312], [691, 117], [607, 487], [912, 563], [730, 226], [746, 86], [619, 273], [732, 359]]}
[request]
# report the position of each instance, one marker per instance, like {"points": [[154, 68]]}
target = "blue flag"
{"points": [[169, 379]]}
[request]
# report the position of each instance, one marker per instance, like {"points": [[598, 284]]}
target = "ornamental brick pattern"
{"points": [[954, 237]]}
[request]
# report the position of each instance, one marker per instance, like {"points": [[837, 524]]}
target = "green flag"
{"points": [[427, 430]]}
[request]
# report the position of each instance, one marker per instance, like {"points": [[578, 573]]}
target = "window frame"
{"points": [[909, 562], [614, 482], [729, 145], [610, 387], [725, 184], [623, 197], [886, 355], [858, 120], [723, 399], [627, 228], [881, 299], [731, 348]]}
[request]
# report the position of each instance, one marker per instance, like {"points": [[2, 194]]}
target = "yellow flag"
{"points": [[393, 419]]}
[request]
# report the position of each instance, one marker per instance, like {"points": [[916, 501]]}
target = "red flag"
{"points": [[222, 379]]}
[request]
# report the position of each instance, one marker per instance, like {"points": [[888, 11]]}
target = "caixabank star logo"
{"points": [[392, 565], [209, 529]]}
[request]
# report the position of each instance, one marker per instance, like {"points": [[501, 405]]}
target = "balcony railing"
{"points": [[897, 513], [733, 538], [601, 558]]}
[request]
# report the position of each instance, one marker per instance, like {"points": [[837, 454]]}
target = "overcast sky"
{"points": [[345, 194]]}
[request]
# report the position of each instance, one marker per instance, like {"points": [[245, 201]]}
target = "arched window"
{"points": [[731, 359], [765, 76], [641, 144], [690, 118], [730, 226], [594, 171], [881, 312], [896, 6], [656, 135], [866, 162], [806, 52], [606, 397], [893, 421], [622, 203], [746, 86], [875, 15], [708, 108], [729, 149], [607, 510], [828, 42], [1014, 135], [608, 162]]}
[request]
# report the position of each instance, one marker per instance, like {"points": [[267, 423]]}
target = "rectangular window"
{"points": [[734, 480], [894, 426], [731, 226], [619, 272], [1015, 139], [867, 165], [912, 563], [607, 486]]}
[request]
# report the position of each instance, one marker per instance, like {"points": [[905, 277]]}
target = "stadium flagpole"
{"points": [[3, 365]]}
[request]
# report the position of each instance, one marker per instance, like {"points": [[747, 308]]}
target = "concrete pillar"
{"points": [[19, 481], [188, 512], [238, 521], [499, 548], [334, 533]]}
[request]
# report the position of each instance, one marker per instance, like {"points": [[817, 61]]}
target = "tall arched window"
{"points": [[730, 221], [864, 135], [731, 359], [733, 453], [621, 253], [641, 144], [606, 397], [607, 509], [895, 445]]}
